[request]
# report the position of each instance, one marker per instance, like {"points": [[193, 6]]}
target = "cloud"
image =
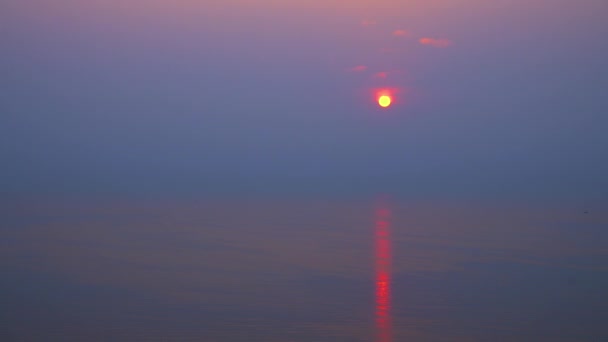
{"points": [[381, 74], [401, 33], [368, 22], [436, 42], [358, 68]]}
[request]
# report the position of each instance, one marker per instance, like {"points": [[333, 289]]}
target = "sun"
{"points": [[384, 101]]}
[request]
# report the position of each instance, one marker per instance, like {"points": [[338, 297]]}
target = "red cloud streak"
{"points": [[436, 42], [401, 33], [359, 68], [381, 74]]}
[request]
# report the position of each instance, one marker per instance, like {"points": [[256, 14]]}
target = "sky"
{"points": [[492, 99]]}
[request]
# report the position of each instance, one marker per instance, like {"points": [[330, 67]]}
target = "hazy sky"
{"points": [[493, 99]]}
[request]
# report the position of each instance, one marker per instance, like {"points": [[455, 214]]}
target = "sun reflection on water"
{"points": [[383, 274]]}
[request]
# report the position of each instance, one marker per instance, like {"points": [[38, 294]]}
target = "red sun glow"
{"points": [[386, 97]]}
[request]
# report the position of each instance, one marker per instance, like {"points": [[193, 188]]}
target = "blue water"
{"points": [[300, 270]]}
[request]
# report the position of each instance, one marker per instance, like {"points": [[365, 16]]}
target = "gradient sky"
{"points": [[497, 99]]}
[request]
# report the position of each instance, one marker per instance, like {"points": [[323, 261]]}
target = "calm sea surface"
{"points": [[302, 270]]}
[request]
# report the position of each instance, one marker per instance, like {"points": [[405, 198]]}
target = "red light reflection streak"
{"points": [[383, 275]]}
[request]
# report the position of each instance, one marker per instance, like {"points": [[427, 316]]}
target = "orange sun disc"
{"points": [[384, 101]]}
